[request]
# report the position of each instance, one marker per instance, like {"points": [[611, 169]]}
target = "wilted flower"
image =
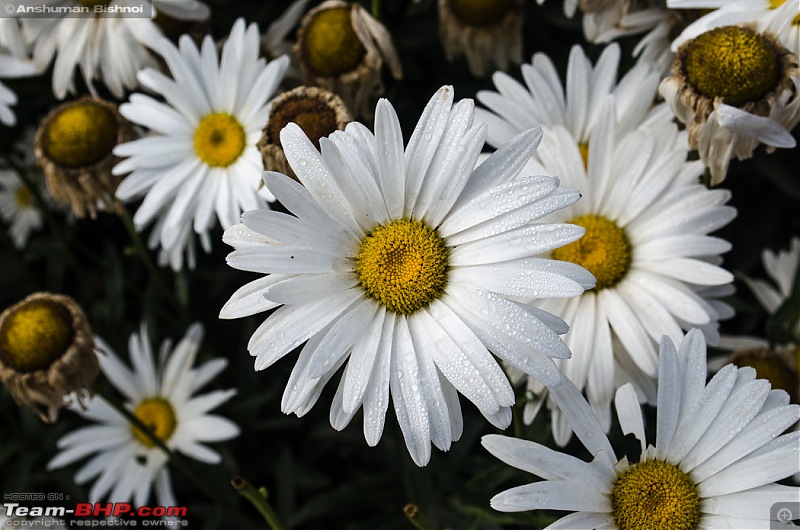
{"points": [[74, 145], [47, 352]]}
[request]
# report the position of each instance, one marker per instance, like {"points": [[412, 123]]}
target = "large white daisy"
{"points": [[718, 453], [647, 220], [200, 157], [111, 47], [126, 462], [409, 263]]}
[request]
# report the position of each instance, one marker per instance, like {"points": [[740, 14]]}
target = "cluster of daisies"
{"points": [[549, 248]]}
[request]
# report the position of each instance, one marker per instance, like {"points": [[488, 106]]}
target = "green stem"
{"points": [[259, 500], [144, 254], [417, 518], [376, 9]]}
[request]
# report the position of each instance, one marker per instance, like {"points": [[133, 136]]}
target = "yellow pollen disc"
{"points": [[331, 46], [23, 197], [314, 116], [584, 149], [80, 135], [481, 12], [403, 265], [604, 250], [733, 63], [156, 413], [655, 496], [35, 335], [219, 139]]}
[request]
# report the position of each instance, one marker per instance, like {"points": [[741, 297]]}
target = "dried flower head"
{"points": [[317, 111], [488, 32], [46, 353], [74, 146], [734, 87], [341, 48]]}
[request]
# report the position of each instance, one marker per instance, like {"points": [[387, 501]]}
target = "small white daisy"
{"points": [[408, 263], [18, 206], [200, 157], [126, 463], [782, 269], [646, 218], [111, 47], [717, 455]]}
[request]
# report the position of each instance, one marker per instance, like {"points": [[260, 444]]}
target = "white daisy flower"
{"points": [[126, 462], [409, 263], [646, 217], [14, 63], [201, 156], [543, 101], [18, 207], [718, 453], [780, 17], [111, 47]]}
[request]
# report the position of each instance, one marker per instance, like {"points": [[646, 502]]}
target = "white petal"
{"points": [[550, 495], [290, 326], [581, 418], [765, 130], [630, 413], [249, 299], [548, 464], [755, 470], [409, 404]]}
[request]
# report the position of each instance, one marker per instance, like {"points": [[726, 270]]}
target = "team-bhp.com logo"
{"points": [[122, 513]]}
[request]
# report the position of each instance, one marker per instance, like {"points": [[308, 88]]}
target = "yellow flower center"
{"points": [[403, 265], [23, 197], [314, 116], [157, 414], [584, 149], [732, 63], [655, 496], [80, 135], [604, 250], [219, 139], [481, 12], [331, 46], [35, 335], [775, 4]]}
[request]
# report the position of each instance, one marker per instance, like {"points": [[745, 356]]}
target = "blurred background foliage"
{"points": [[318, 478]]}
